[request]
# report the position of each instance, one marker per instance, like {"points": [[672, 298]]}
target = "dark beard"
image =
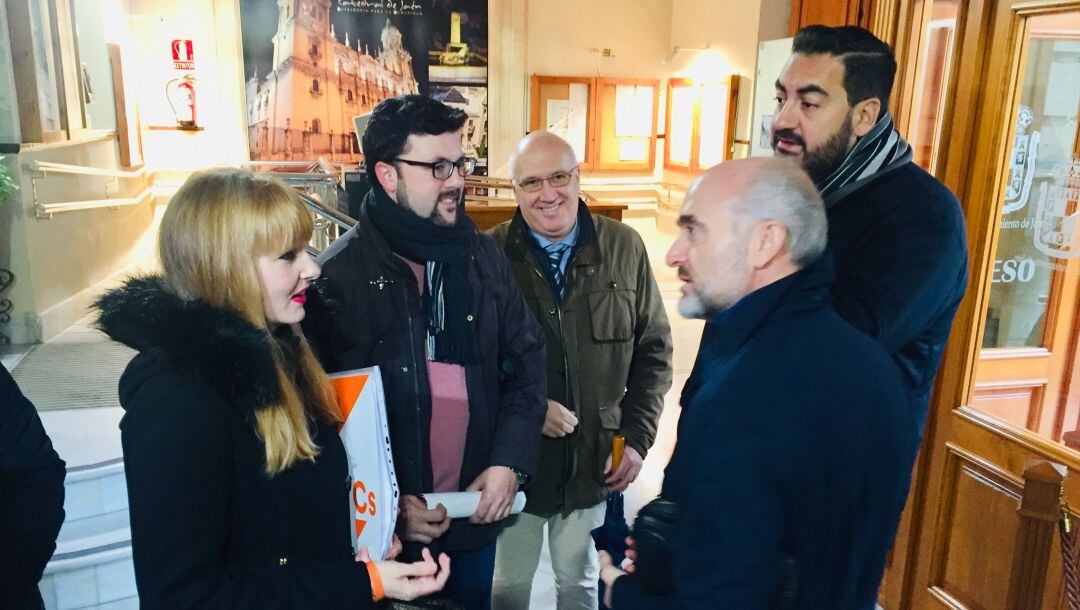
{"points": [[433, 217], [822, 161]]}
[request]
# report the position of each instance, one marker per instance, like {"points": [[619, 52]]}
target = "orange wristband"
{"points": [[376, 581]]}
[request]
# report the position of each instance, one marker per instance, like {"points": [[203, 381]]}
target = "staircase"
{"points": [[92, 568]]}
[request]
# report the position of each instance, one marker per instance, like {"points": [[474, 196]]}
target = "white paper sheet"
{"points": [[462, 504]]}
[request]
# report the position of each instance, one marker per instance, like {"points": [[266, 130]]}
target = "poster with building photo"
{"points": [[312, 65]]}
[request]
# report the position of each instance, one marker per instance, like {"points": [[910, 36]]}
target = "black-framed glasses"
{"points": [[442, 170], [556, 180]]}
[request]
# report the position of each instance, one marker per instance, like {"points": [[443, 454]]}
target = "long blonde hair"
{"points": [[216, 226]]}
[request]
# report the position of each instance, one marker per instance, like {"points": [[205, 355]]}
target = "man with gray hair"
{"points": [[793, 453], [587, 279]]}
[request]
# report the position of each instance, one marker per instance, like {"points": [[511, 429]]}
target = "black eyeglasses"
{"points": [[442, 170]]}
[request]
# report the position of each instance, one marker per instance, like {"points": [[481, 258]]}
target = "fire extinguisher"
{"points": [[181, 95]]}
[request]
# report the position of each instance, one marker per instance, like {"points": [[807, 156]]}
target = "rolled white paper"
{"points": [[462, 504]]}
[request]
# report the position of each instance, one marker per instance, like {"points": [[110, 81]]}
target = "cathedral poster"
{"points": [[312, 65]]}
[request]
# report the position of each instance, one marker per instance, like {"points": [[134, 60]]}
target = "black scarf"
{"points": [[879, 151], [444, 251]]}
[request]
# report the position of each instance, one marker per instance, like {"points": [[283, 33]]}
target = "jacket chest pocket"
{"points": [[612, 315]]}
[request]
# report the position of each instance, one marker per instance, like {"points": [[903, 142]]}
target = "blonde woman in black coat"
{"points": [[237, 480]]}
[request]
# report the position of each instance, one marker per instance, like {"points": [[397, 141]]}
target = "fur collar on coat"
{"points": [[219, 346]]}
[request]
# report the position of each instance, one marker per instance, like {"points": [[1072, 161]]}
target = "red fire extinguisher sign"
{"points": [[183, 55]]}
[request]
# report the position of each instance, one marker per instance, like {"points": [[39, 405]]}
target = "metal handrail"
{"points": [[343, 221], [46, 167], [329, 224], [310, 165], [303, 178], [47, 209]]}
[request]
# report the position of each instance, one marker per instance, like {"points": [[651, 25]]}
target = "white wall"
{"points": [[775, 19], [213, 26], [562, 33], [508, 89], [730, 31], [62, 263]]}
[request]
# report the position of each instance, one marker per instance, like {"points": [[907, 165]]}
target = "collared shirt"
{"points": [[570, 240]]}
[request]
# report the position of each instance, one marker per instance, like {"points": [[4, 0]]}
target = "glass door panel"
{"points": [[1030, 334], [935, 65]]}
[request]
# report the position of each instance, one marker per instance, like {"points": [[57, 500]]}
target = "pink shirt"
{"points": [[449, 413]]}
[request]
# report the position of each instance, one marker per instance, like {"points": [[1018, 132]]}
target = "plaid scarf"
{"points": [[879, 151]]}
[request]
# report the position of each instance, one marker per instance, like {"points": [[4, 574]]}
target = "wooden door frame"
{"points": [[900, 24], [988, 104], [673, 83]]}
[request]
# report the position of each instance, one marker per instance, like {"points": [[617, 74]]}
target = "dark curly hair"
{"points": [[869, 63], [397, 118]]}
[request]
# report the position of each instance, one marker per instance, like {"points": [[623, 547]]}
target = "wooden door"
{"points": [[922, 104], [828, 12], [1005, 390], [1029, 335]]}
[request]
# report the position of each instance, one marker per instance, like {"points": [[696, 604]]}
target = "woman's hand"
{"points": [[408, 581]]}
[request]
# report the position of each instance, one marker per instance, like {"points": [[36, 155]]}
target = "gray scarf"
{"points": [[879, 151]]}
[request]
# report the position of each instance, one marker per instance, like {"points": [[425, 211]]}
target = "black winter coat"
{"points": [[209, 528], [378, 320], [900, 248], [31, 498], [792, 460], [899, 245]]}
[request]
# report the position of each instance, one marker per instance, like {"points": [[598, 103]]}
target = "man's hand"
{"points": [[609, 574], [497, 486], [420, 524], [395, 549], [628, 470], [631, 556], [560, 421]]}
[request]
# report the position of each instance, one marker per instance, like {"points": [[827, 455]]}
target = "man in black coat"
{"points": [[433, 302], [793, 451], [31, 497], [896, 234]]}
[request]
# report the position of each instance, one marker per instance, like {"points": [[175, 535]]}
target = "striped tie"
{"points": [[555, 253]]}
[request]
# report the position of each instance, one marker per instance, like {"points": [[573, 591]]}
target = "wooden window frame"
{"points": [[672, 84], [536, 124], [56, 33], [694, 167], [628, 166]]}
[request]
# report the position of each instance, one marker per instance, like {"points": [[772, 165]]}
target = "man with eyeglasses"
{"points": [[415, 289], [588, 280]]}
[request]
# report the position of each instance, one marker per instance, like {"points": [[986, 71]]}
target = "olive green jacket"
{"points": [[608, 354]]}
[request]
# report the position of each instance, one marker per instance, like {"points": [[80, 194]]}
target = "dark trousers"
{"points": [[471, 573]]}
